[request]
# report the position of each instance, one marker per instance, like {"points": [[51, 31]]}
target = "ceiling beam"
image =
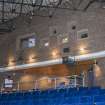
{"points": [[21, 7], [89, 4], [2, 18]]}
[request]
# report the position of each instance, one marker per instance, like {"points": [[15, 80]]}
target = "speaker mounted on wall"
{"points": [[68, 61]]}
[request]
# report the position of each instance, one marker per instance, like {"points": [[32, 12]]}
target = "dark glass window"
{"points": [[28, 42], [84, 35], [66, 50]]}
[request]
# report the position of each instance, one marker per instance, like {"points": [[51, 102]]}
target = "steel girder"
{"points": [[12, 8]]}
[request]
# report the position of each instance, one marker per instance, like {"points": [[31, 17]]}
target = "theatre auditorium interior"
{"points": [[52, 52]]}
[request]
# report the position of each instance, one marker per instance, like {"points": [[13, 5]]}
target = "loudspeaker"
{"points": [[69, 61]]}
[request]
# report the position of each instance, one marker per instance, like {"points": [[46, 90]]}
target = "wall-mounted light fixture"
{"points": [[55, 53], [31, 58], [11, 61], [82, 50]]}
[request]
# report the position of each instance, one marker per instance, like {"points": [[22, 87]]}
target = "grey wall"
{"points": [[63, 20], [99, 73]]}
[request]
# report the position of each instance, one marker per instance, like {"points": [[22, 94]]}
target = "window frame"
{"points": [[79, 34], [20, 38]]}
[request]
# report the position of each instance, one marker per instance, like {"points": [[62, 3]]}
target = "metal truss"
{"points": [[10, 9]]}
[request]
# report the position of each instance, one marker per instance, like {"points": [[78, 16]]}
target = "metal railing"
{"points": [[45, 83]]}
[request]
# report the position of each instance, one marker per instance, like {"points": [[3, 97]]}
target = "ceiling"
{"points": [[10, 9]]}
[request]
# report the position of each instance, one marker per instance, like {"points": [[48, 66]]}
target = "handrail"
{"points": [[72, 81]]}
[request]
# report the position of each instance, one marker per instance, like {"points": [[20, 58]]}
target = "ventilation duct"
{"points": [[85, 57]]}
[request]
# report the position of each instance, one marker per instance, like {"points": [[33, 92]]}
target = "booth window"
{"points": [[27, 42], [83, 34]]}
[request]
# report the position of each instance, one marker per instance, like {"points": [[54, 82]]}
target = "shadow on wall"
{"points": [[28, 82], [98, 74]]}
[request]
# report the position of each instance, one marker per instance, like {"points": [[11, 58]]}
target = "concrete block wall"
{"points": [[63, 21]]}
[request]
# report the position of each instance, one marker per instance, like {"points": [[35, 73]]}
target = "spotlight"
{"points": [[54, 53], [31, 58], [11, 62], [82, 49]]}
